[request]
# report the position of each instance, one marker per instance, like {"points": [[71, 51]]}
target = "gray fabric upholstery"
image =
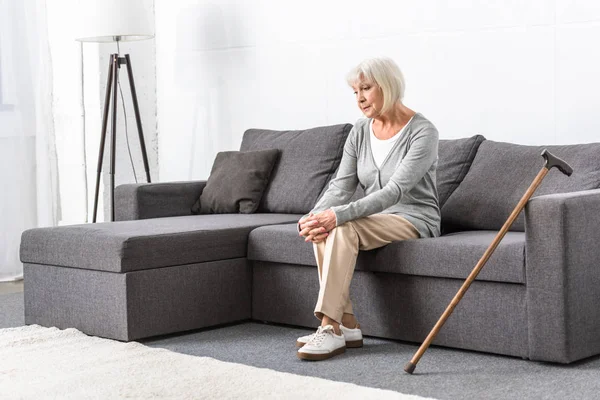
{"points": [[91, 301], [155, 200], [308, 160], [491, 316], [138, 304], [502, 172], [280, 243], [237, 182], [453, 256], [450, 256], [454, 160], [563, 276], [150, 243]]}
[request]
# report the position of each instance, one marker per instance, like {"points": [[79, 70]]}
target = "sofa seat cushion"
{"points": [[449, 256], [125, 246]]}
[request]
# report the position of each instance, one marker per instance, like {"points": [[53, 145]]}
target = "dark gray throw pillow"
{"points": [[237, 182]]}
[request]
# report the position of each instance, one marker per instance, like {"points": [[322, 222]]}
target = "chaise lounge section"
{"points": [[132, 279]]}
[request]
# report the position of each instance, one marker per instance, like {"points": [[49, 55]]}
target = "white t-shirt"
{"points": [[381, 148]]}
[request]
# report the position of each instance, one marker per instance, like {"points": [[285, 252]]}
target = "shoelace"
{"points": [[321, 334]]}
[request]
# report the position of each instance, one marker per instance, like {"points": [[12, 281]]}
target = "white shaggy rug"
{"points": [[38, 363]]}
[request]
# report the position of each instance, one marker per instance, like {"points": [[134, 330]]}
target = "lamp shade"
{"points": [[113, 20]]}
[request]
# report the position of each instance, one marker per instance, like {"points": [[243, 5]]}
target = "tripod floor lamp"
{"points": [[115, 21]]}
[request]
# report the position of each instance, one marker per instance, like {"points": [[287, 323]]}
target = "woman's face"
{"points": [[369, 97]]}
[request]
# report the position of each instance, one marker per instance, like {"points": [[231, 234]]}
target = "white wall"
{"points": [[518, 71]]}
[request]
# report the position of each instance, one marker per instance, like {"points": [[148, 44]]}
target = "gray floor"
{"points": [[442, 373], [11, 287]]}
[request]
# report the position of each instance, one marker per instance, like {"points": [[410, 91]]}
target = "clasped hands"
{"points": [[316, 227]]}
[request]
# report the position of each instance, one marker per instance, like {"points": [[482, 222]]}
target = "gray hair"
{"points": [[385, 73]]}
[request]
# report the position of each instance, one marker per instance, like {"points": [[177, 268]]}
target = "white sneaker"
{"points": [[323, 345], [354, 337]]}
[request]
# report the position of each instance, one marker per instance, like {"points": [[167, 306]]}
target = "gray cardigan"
{"points": [[404, 185]]}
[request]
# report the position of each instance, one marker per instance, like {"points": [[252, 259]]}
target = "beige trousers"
{"points": [[336, 257]]}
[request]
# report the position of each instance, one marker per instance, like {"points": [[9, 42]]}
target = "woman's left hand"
{"points": [[326, 221]]}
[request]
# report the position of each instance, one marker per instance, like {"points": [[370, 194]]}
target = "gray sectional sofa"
{"points": [[160, 270]]}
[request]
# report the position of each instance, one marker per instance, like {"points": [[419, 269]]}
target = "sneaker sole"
{"points": [[320, 357], [352, 344]]}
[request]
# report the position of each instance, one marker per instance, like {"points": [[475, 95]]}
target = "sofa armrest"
{"points": [[563, 275], [155, 200]]}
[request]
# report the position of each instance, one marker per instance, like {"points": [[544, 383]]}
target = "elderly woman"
{"points": [[392, 154]]}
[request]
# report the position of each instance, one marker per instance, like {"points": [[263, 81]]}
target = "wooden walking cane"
{"points": [[551, 161]]}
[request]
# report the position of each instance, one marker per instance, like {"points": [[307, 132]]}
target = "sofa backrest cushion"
{"points": [[308, 160], [455, 157], [502, 172]]}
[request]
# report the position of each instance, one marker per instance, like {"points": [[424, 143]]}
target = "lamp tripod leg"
{"points": [[103, 134], [113, 138], [138, 120]]}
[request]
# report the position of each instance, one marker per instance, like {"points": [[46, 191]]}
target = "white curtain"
{"points": [[28, 168]]}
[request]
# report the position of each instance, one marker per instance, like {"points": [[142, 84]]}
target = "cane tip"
{"points": [[410, 367]]}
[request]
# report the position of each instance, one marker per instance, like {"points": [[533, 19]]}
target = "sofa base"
{"points": [[139, 304], [491, 317]]}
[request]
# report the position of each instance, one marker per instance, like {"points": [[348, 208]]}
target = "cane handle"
{"points": [[553, 161]]}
